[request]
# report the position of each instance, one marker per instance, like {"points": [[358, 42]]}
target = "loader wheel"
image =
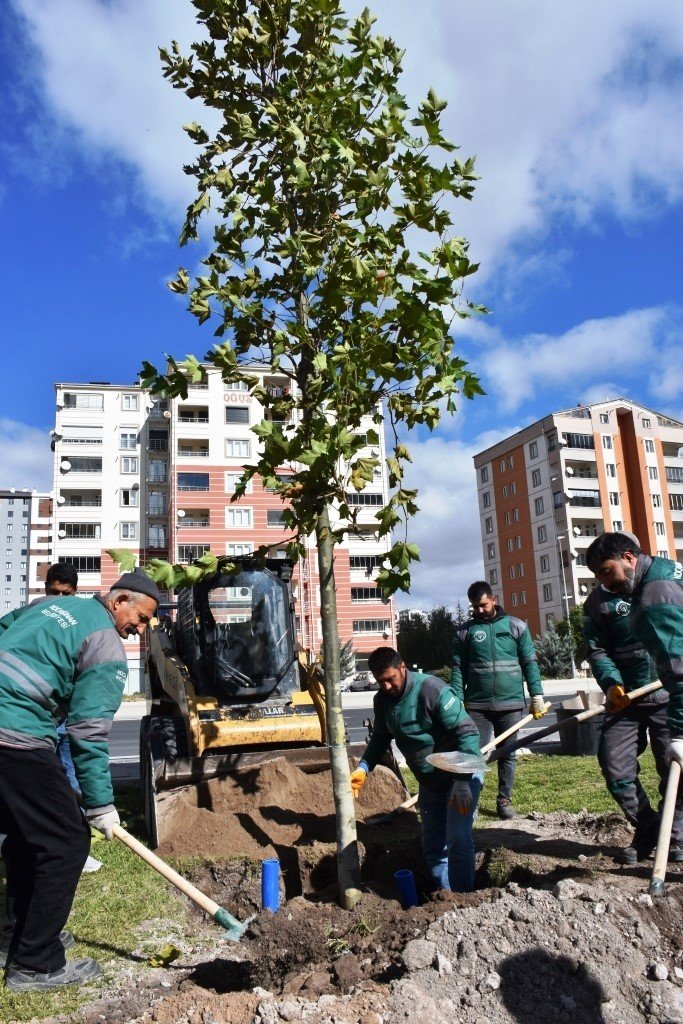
{"points": [[147, 782]]}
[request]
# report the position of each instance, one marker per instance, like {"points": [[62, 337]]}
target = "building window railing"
{"points": [[585, 441], [584, 499], [674, 474], [157, 446]]}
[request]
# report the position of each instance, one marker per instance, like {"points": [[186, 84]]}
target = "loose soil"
{"points": [[556, 931]]}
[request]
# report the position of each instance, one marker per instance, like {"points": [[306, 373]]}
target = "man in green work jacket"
{"points": [[62, 656], [655, 589], [493, 655], [424, 716]]}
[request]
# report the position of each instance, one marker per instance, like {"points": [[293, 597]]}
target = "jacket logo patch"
{"points": [[479, 636], [678, 571], [448, 703], [622, 608]]}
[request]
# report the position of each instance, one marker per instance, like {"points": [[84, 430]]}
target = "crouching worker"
{"points": [[424, 715], [60, 656]]}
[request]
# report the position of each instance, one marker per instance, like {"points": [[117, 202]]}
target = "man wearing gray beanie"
{"points": [[61, 656]]}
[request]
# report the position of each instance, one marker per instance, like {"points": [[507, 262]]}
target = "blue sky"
{"points": [[574, 113]]}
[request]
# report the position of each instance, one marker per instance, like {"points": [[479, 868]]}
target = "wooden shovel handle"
{"points": [[664, 840]]}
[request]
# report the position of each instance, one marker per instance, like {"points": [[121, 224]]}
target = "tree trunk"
{"points": [[348, 864]]}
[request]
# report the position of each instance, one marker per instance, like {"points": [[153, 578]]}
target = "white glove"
{"points": [[538, 706], [461, 796], [674, 751], [103, 820]]}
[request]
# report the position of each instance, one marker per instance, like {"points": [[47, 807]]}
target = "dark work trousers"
{"points": [[46, 847], [490, 724], [623, 739]]}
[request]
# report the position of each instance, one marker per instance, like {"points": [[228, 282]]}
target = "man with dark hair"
{"points": [[493, 654], [60, 656], [423, 715], [61, 578], [621, 664], [655, 588]]}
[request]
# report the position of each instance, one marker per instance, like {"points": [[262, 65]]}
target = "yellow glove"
{"points": [[538, 706], [617, 699], [357, 780]]}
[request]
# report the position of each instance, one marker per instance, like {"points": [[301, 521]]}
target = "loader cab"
{"points": [[235, 632]]}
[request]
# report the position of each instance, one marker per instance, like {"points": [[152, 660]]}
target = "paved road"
{"points": [[123, 741]]}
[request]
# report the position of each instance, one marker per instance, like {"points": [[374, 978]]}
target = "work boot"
{"points": [[642, 846], [75, 972], [66, 938], [504, 808]]}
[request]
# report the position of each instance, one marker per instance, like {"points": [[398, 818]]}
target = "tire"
{"points": [[147, 782]]}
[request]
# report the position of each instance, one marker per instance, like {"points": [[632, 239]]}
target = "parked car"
{"points": [[363, 681]]}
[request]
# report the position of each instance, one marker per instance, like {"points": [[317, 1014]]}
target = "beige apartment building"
{"points": [[157, 477], [545, 492]]}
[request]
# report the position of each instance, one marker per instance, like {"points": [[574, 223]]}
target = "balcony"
{"points": [[193, 524], [157, 446], [193, 414], [158, 409], [584, 499], [193, 451], [158, 509]]}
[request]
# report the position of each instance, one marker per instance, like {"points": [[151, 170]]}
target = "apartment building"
{"points": [[26, 534], [157, 477], [545, 492]]}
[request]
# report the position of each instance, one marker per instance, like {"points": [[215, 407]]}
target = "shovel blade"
{"points": [[457, 762]]}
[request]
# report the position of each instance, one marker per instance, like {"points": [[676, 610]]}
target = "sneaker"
{"points": [[75, 972], [642, 847], [66, 938], [91, 865], [504, 808]]}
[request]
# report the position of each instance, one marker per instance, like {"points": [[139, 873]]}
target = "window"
{"points": [[236, 414], [237, 448], [10, 514], [128, 531], [664, 553], [365, 595], [371, 626], [158, 441], [520, 568], [518, 542], [551, 441], [515, 515], [610, 469], [368, 562], [157, 471], [657, 500], [491, 550], [545, 563], [604, 417], [130, 403], [660, 529], [82, 563], [542, 534], [607, 442], [513, 488], [514, 600], [156, 536], [488, 524], [193, 481], [533, 450], [512, 572], [364, 498], [584, 441], [536, 478], [81, 531], [493, 577], [539, 506], [508, 518], [549, 619], [674, 474], [676, 502], [504, 491], [83, 464], [82, 400], [645, 421], [614, 497], [511, 461], [238, 550], [238, 518], [486, 499], [274, 517], [558, 499], [191, 552], [510, 543], [522, 597], [649, 445], [501, 465], [231, 482], [129, 464], [547, 591], [156, 503], [130, 498], [236, 385], [653, 472], [484, 474], [616, 525]]}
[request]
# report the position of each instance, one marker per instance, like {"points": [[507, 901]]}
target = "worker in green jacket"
{"points": [[61, 656], [424, 716], [621, 664], [493, 656]]}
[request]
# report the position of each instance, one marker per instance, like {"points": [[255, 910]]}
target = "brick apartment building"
{"points": [[157, 477], [545, 492]]}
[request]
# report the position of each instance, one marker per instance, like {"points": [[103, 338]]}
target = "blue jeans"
{"points": [[447, 841], [64, 755]]}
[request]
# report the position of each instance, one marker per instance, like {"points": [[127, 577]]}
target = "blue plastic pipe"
{"points": [[270, 885], [405, 883]]}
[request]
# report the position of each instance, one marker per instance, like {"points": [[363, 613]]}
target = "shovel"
{"points": [[664, 840], [234, 928], [377, 819]]}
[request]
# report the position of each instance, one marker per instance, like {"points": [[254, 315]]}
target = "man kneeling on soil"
{"points": [[62, 656], [424, 715]]}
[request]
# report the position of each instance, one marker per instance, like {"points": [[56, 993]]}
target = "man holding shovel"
{"points": [[59, 656], [654, 588], [423, 715]]}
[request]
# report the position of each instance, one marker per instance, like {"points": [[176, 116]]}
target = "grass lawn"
{"points": [[111, 904]]}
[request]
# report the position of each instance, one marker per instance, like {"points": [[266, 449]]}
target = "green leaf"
{"points": [[125, 559]]}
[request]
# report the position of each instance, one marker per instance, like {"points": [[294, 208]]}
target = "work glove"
{"points": [[538, 706], [461, 796], [674, 751], [617, 698], [357, 781], [103, 820]]}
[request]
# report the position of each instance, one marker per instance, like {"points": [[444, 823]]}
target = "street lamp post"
{"points": [[565, 597]]}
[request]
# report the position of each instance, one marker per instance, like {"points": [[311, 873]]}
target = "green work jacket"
{"points": [[616, 655], [428, 718], [492, 660]]}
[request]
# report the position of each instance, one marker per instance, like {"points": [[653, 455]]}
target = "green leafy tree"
{"points": [[332, 262], [554, 654], [573, 628]]}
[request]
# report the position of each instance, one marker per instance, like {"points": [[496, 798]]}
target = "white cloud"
{"points": [[602, 392], [26, 457]]}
